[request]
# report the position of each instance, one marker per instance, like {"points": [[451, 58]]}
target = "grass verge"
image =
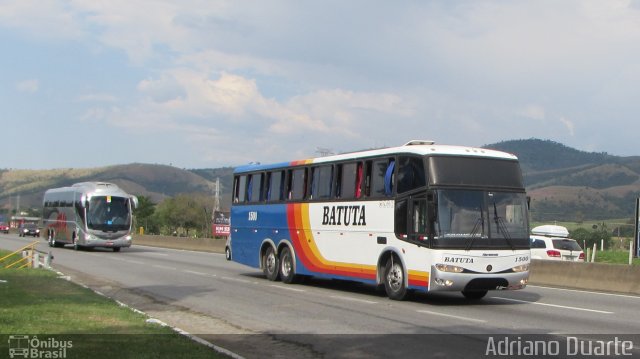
{"points": [[40, 311], [615, 257]]}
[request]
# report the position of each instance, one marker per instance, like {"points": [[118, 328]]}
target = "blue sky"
{"points": [[200, 83]]}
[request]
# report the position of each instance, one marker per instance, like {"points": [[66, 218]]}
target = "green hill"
{"points": [[564, 184], [155, 181]]}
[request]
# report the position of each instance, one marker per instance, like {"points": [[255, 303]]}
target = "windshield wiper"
{"points": [[479, 224], [502, 227]]}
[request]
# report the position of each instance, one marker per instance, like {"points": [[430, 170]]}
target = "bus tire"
{"points": [[52, 240], [474, 294], [116, 249], [287, 269], [394, 279], [271, 264], [76, 246]]}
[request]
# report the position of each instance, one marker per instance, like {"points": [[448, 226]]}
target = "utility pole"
{"points": [[216, 198], [635, 242]]}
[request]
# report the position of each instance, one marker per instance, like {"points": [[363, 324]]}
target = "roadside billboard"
{"points": [[221, 224]]}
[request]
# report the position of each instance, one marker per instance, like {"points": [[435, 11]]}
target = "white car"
{"points": [[553, 242]]}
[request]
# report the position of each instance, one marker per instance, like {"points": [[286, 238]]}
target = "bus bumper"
{"points": [[447, 281], [92, 241]]}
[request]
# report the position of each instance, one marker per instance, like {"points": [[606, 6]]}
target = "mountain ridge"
{"points": [[563, 183]]}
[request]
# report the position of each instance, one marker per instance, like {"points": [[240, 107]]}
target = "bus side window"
{"points": [[298, 184], [389, 178], [348, 181], [382, 177], [255, 188], [338, 181], [321, 182], [288, 187], [359, 176], [240, 189], [275, 186], [411, 173], [249, 187], [267, 186]]}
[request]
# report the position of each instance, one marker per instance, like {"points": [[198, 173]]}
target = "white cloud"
{"points": [[569, 125], [534, 112], [162, 90], [339, 74], [28, 86], [42, 18], [97, 97]]}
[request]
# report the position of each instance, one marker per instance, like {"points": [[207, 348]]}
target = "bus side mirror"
{"points": [[134, 202]]}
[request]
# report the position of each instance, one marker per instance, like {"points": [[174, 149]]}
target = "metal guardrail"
{"points": [[30, 257]]}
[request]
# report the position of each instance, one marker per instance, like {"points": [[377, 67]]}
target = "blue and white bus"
{"points": [[420, 217], [89, 214]]}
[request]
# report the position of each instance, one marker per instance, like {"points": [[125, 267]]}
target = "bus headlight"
{"points": [[520, 268], [444, 283], [449, 268]]}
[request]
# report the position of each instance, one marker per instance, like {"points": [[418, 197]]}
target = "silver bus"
{"points": [[88, 214]]}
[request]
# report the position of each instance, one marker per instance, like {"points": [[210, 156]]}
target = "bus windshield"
{"points": [[108, 213], [474, 219]]}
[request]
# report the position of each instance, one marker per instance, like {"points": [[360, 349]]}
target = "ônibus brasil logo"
{"points": [[25, 346]]}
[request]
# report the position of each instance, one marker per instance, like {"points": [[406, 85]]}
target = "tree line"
{"points": [[187, 215]]}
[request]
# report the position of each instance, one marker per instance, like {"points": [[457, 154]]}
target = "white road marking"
{"points": [[288, 288], [163, 267], [586, 291], [236, 280], [353, 299], [554, 305], [452, 316], [196, 273]]}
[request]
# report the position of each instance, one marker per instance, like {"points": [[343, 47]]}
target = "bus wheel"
{"points": [[116, 249], [475, 294], [271, 264], [73, 240], [287, 271], [394, 283]]}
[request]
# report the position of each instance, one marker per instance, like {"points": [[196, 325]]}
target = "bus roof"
{"points": [[418, 147], [94, 187]]}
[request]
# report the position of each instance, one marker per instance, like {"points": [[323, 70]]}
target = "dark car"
{"points": [[4, 228], [29, 229]]}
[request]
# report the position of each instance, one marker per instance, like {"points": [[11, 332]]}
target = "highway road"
{"points": [[234, 307]]}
